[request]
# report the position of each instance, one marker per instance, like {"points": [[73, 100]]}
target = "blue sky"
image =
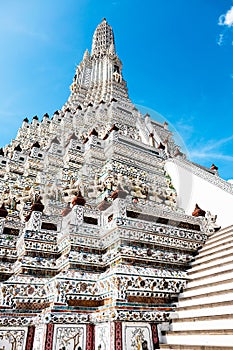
{"points": [[177, 59]]}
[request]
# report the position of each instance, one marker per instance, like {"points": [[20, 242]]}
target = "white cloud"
{"points": [[226, 19], [204, 150], [220, 40], [207, 155], [210, 151], [184, 126], [216, 144]]}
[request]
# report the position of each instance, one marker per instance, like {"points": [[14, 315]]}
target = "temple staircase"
{"points": [[205, 309]]}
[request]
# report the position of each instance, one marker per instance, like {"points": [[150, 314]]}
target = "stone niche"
{"points": [[136, 335], [39, 338], [69, 337], [13, 338], [103, 336]]}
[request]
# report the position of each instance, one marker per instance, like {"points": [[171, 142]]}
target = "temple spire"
{"points": [[103, 39], [99, 76]]}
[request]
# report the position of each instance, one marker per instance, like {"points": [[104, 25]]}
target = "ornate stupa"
{"points": [[94, 246]]}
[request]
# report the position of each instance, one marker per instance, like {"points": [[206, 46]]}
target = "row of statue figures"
{"points": [[75, 197], [95, 190]]}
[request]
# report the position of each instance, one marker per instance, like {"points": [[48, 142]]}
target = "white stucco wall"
{"points": [[192, 189]]}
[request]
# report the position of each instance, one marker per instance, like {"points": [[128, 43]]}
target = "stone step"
{"points": [[215, 251], [203, 323], [211, 297], [208, 309], [223, 284], [215, 337], [193, 347], [221, 232], [204, 306], [205, 309], [214, 278], [213, 270], [212, 260], [216, 238], [212, 244], [211, 257], [206, 249]]}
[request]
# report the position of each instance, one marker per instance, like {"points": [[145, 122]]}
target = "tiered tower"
{"points": [[93, 247]]}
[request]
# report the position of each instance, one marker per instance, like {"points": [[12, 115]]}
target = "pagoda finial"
{"points": [[86, 55], [103, 38]]}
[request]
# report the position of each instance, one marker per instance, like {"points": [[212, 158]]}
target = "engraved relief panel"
{"points": [[102, 336], [13, 338], [39, 338], [136, 336], [69, 337]]}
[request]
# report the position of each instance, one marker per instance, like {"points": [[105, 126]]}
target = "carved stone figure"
{"points": [[37, 205], [78, 200], [198, 211], [210, 225], [213, 167], [118, 193]]}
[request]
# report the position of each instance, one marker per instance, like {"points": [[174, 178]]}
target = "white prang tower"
{"points": [[93, 246]]}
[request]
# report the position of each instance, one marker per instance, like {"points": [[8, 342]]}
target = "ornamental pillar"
{"points": [[49, 337], [90, 337], [30, 338], [35, 221]]}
